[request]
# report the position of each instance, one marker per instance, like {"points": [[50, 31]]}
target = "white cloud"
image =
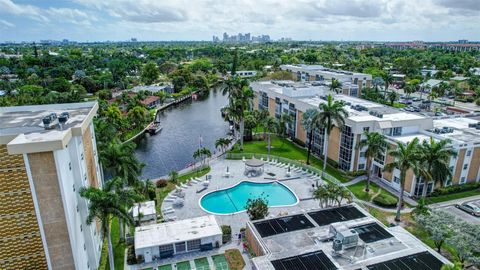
{"points": [[7, 24], [9, 7]]}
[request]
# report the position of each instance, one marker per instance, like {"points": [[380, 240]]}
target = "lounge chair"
{"points": [[168, 200], [201, 189], [168, 211]]}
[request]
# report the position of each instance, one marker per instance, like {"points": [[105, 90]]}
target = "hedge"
{"points": [[385, 200], [454, 189]]}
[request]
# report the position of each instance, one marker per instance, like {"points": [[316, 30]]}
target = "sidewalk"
{"points": [[355, 180], [452, 202], [390, 189]]}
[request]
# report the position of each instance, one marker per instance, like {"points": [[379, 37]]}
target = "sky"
{"points": [[161, 20]]}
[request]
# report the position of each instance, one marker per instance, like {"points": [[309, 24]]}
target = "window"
{"points": [[180, 247], [81, 156], [469, 152], [77, 209], [73, 188], [361, 166], [70, 166], [84, 247], [451, 168], [366, 129], [397, 131], [354, 92], [317, 142], [462, 180], [193, 244], [81, 228], [263, 104], [362, 154], [396, 180], [465, 166], [346, 148]]}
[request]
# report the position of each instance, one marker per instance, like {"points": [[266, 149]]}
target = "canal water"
{"points": [[185, 127]]}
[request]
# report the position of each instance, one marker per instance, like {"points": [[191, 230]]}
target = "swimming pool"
{"points": [[233, 199]]}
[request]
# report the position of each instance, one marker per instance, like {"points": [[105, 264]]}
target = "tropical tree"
{"points": [[240, 96], [104, 205], [257, 208], [119, 160], [435, 157], [392, 97], [138, 115], [406, 157], [335, 86], [387, 79], [282, 123], [331, 194], [150, 73], [438, 225], [222, 143], [332, 113], [173, 176], [310, 126], [374, 144], [270, 125]]}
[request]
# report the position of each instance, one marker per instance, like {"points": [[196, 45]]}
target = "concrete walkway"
{"points": [[355, 180], [453, 202]]}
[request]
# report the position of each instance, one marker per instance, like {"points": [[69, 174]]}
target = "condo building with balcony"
{"points": [[294, 98], [47, 154], [352, 82]]}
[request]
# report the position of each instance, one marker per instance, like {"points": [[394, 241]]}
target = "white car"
{"points": [[469, 208]]}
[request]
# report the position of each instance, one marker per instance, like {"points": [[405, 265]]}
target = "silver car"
{"points": [[469, 208]]}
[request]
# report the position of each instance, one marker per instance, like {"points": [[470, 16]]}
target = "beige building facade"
{"points": [[42, 169]]}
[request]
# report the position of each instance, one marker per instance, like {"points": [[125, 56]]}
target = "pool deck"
{"points": [[301, 186]]}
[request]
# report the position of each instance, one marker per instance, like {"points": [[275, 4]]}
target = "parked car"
{"points": [[469, 208], [416, 99]]}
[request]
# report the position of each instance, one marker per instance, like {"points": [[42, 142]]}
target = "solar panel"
{"points": [[328, 216], [372, 232], [282, 225], [316, 260], [419, 261]]}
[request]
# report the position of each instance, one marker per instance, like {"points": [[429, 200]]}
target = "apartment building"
{"points": [[352, 82], [345, 237], [295, 98], [47, 154]]}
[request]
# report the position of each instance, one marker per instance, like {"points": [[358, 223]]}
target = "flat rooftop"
{"points": [[464, 130], [146, 208], [290, 88], [314, 245], [176, 231], [23, 124], [322, 69]]}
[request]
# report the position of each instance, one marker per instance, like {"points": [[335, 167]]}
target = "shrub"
{"points": [[131, 258], [477, 102], [226, 233], [454, 189], [162, 183], [385, 200]]}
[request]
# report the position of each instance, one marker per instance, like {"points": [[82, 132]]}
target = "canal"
{"points": [[185, 127]]}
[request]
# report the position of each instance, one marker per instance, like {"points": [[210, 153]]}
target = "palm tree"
{"points": [[222, 143], [406, 157], [331, 114], [283, 122], [435, 157], [375, 144], [392, 96], [335, 86], [270, 125], [205, 153], [240, 96], [119, 159], [387, 79], [138, 115], [309, 125], [173, 176], [104, 205]]}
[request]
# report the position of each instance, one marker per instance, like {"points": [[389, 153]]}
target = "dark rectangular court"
{"points": [[372, 232], [329, 216], [282, 225], [316, 260], [419, 261]]}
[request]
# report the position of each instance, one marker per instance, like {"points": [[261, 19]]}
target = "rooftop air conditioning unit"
{"points": [[348, 238], [63, 118], [472, 125], [50, 121]]}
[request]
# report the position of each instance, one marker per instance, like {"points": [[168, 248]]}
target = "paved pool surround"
{"points": [[300, 187]]}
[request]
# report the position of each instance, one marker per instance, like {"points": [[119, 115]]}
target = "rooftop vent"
{"points": [[63, 118], [50, 121]]}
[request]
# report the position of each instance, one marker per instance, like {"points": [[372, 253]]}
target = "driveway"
{"points": [[450, 208]]}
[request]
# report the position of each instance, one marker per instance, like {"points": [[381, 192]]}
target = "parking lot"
{"points": [[461, 214]]}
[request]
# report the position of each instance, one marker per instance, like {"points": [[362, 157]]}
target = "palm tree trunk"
{"points": [[269, 146], [242, 129], [110, 249], [425, 184], [325, 152], [400, 196], [122, 234], [310, 138], [369, 172]]}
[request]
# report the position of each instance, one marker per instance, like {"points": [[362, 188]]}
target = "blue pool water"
{"points": [[234, 199]]}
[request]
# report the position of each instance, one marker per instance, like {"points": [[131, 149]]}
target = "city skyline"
{"points": [[86, 20]]}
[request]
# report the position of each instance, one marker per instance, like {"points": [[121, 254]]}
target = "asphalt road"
{"points": [[461, 214]]}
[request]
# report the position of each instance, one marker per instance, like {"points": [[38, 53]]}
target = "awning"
{"points": [[254, 163], [385, 124]]}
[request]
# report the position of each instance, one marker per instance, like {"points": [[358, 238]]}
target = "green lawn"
{"points": [[287, 149], [165, 267], [163, 192], [359, 190], [453, 196], [220, 262], [118, 248], [184, 265], [202, 264]]}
